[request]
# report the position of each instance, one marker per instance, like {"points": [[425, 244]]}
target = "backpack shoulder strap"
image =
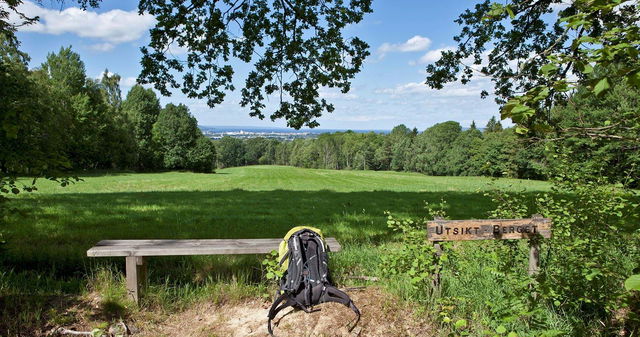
{"points": [[280, 303], [323, 262], [295, 267], [333, 294]]}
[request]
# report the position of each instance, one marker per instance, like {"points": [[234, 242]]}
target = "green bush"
{"points": [[595, 247], [413, 259], [202, 156], [579, 289]]}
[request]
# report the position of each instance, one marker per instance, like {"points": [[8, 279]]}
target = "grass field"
{"points": [[58, 224], [49, 234]]}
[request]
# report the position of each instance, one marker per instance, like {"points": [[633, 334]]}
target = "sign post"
{"points": [[533, 229]]}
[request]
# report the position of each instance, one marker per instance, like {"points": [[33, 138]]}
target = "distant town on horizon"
{"points": [[280, 133]]}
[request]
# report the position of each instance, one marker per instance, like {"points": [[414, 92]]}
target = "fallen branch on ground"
{"points": [[119, 329], [63, 331], [365, 278]]}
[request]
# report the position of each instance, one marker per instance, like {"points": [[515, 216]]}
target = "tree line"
{"points": [[443, 149], [55, 118], [447, 149]]}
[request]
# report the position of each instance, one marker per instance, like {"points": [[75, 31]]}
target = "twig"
{"points": [[354, 288], [366, 278], [64, 331]]}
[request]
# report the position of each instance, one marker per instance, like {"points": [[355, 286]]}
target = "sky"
{"points": [[404, 36]]}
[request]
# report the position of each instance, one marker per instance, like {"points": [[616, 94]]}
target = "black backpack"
{"points": [[306, 281]]}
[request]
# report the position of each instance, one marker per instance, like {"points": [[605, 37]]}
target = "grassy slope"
{"points": [[44, 271], [259, 201]]}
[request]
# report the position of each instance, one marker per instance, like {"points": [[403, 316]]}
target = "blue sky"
{"points": [[404, 36]]}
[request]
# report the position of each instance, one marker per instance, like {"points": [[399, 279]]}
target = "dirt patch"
{"points": [[382, 315]]}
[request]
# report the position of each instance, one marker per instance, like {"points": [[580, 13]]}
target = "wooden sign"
{"points": [[488, 229]]}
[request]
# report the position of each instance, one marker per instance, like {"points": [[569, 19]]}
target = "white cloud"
{"points": [[359, 118], [113, 27], [416, 43], [125, 82], [472, 89], [332, 93], [102, 47], [102, 73], [128, 82], [556, 7], [175, 49], [433, 55], [403, 89]]}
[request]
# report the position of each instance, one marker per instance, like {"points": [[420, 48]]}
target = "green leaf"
{"points": [[521, 130], [632, 283], [588, 69], [561, 86], [593, 275], [544, 93], [575, 22], [587, 39], [512, 334], [461, 323], [501, 330], [601, 86], [510, 11], [548, 68], [496, 11], [634, 79], [522, 109]]}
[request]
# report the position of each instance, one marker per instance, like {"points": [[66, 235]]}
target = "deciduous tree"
{"points": [[538, 52], [142, 108], [175, 133]]}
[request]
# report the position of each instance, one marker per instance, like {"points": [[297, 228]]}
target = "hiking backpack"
{"points": [[306, 281]]}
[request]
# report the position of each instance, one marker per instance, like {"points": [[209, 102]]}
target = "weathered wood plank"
{"points": [[190, 247], [193, 242], [534, 259], [488, 229], [135, 273]]}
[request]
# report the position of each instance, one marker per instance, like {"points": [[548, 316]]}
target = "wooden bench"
{"points": [[135, 252]]}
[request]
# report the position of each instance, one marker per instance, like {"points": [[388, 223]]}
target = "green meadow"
{"points": [[50, 230], [58, 224]]}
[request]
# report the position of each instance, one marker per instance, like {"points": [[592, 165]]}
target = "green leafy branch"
{"points": [[596, 49]]}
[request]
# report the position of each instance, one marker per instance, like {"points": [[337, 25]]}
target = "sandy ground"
{"points": [[381, 316]]}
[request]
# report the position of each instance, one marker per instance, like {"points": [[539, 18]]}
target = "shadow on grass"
{"points": [[55, 230], [49, 238], [116, 173]]}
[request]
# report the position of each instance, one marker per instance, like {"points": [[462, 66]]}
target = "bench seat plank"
{"points": [[107, 248]]}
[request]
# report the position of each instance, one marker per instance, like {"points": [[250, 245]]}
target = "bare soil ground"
{"points": [[382, 315]]}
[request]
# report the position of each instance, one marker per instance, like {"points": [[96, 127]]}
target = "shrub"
{"points": [[579, 289], [595, 247], [201, 158], [413, 258]]}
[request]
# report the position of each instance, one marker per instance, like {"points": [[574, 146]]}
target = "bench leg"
{"points": [[136, 271]]}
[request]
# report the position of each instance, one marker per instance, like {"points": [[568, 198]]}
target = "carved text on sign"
{"points": [[455, 230]]}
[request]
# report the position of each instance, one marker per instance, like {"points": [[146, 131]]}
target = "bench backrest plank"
{"points": [[106, 248]]}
